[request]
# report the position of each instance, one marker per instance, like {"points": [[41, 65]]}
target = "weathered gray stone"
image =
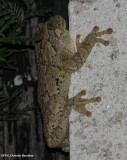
{"points": [[103, 136]]}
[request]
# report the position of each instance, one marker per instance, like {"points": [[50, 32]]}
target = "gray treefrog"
{"points": [[56, 61]]}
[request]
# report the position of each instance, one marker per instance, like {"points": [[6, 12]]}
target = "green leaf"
{"points": [[12, 9], [2, 21], [2, 144], [12, 41], [6, 26], [16, 93], [2, 59]]}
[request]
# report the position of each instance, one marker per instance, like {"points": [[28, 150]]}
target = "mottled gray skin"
{"points": [[56, 61]]}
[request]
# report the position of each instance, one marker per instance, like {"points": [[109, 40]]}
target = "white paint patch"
{"points": [[103, 136], [28, 76], [18, 80]]}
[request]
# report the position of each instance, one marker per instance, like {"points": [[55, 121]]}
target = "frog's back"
{"points": [[53, 81]]}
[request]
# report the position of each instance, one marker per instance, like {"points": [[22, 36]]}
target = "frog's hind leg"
{"points": [[56, 126]]}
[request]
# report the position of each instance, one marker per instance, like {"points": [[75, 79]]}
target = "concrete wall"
{"points": [[104, 135]]}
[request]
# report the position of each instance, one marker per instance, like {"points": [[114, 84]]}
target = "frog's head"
{"points": [[56, 22]]}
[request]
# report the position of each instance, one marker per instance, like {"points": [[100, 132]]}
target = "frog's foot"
{"points": [[92, 37], [80, 105]]}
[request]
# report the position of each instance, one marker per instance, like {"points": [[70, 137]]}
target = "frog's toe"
{"points": [[98, 99], [88, 114], [83, 92], [95, 29], [106, 43], [110, 30]]}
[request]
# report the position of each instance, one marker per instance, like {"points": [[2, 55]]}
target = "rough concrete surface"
{"points": [[104, 135]]}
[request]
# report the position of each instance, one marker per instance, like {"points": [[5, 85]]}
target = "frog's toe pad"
{"points": [[110, 30], [83, 92], [98, 99]]}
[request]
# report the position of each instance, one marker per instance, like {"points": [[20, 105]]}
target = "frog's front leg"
{"points": [[92, 38], [75, 62], [85, 47]]}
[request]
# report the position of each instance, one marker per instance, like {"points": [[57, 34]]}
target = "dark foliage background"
{"points": [[21, 127]]}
